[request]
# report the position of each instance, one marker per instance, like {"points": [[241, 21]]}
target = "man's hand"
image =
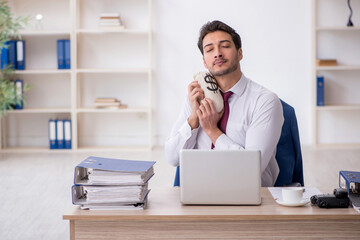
{"points": [[196, 94], [209, 119]]}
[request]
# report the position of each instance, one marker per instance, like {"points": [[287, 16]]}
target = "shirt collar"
{"points": [[240, 86]]}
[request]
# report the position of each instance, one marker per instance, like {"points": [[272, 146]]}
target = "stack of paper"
{"points": [[109, 103], [110, 20], [104, 183]]}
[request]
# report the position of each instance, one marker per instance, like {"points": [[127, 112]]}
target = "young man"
{"points": [[254, 117]]}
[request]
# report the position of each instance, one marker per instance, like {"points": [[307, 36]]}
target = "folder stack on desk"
{"points": [[104, 183]]}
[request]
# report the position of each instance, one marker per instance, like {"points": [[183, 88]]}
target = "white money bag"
{"points": [[211, 89]]}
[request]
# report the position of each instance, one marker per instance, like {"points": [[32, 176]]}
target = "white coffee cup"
{"points": [[292, 194]]}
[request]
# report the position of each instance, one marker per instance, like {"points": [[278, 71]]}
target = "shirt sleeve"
{"points": [[264, 131], [181, 137]]}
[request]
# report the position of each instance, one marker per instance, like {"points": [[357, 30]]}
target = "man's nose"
{"points": [[218, 53]]}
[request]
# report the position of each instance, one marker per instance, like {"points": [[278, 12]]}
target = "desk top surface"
{"points": [[164, 204]]}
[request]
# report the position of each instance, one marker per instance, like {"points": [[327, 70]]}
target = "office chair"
{"points": [[288, 152]]}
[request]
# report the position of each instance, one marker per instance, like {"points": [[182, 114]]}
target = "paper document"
{"points": [[97, 176], [101, 194], [115, 206], [108, 194]]}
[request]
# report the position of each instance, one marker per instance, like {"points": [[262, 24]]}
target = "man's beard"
{"points": [[229, 70]]}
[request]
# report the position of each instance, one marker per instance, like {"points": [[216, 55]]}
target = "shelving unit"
{"points": [[337, 122], [105, 62]]}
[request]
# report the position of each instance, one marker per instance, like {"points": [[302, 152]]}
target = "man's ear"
{"points": [[240, 53]]}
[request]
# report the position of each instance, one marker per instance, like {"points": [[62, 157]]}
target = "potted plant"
{"points": [[9, 29]]}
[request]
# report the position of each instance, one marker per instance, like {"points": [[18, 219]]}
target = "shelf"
{"points": [[112, 30], [338, 68], [33, 149], [106, 62], [114, 70], [40, 110], [125, 110], [43, 71], [338, 29], [332, 39], [339, 146], [338, 107], [80, 149], [43, 32]]}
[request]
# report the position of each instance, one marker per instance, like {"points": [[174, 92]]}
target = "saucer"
{"points": [[293, 204]]}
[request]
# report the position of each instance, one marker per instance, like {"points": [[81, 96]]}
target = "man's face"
{"points": [[220, 54]]}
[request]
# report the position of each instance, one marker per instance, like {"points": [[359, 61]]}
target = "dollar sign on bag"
{"points": [[209, 79]]}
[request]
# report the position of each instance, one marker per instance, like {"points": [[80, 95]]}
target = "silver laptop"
{"points": [[217, 177]]}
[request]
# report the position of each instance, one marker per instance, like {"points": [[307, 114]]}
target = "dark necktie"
{"points": [[223, 121]]}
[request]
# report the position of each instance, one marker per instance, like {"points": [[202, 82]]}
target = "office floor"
{"points": [[35, 187]]}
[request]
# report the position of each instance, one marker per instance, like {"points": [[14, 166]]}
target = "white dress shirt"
{"points": [[255, 122]]}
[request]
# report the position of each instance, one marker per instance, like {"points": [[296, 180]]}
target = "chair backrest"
{"points": [[177, 177], [288, 152]]}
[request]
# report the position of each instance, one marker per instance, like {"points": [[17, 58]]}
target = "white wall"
{"points": [[276, 39]]}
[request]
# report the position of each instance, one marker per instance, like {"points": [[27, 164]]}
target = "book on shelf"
{"points": [[326, 62], [20, 55], [105, 104], [19, 94], [52, 134], [4, 56], [13, 54], [108, 184], [67, 133], [60, 134], [63, 54], [320, 91], [67, 54], [109, 103], [110, 15], [106, 100], [111, 20]]}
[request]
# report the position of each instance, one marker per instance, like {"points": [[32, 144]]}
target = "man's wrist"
{"points": [[193, 122], [215, 134]]}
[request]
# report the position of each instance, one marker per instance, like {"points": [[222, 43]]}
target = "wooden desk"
{"points": [[166, 218]]}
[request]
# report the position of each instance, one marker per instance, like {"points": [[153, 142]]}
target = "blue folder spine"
{"points": [[5, 56], [60, 134], [67, 53], [12, 54], [60, 54], [52, 134], [111, 164], [20, 55], [19, 93], [320, 91], [67, 133], [116, 164], [349, 180]]}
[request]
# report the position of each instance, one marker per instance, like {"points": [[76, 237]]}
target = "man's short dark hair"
{"points": [[214, 26]]}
